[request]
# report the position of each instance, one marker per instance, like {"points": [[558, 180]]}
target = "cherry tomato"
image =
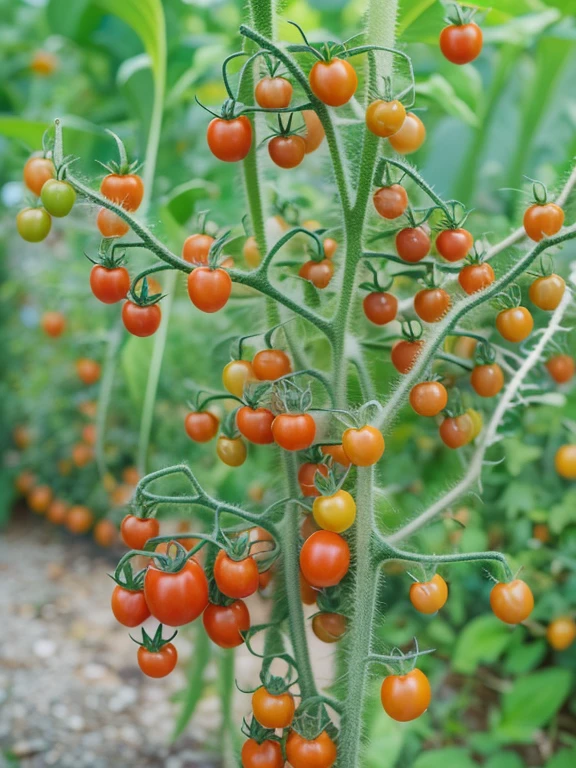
{"points": [[157, 663], [33, 224], [363, 446], [561, 633], [515, 324], [410, 137], [315, 134], [58, 197], [308, 594], [271, 364], [338, 454], [319, 273], [104, 533], [109, 285], [541, 532], [454, 244], [512, 602], [487, 380], [335, 513], [231, 451], [141, 321], [456, 431], [294, 431], [477, 422], [287, 151], [431, 304], [308, 527], [176, 598], [235, 578], [405, 353], [196, 248], [330, 247], [546, 292], [82, 454], [129, 606], [125, 189], [223, 624], [37, 171], [561, 368], [412, 244], [565, 461], [88, 370], [201, 426], [384, 118], [429, 596], [461, 43], [429, 398], [329, 627], [57, 512], [209, 289], [79, 519], [89, 434], [320, 752], [324, 559], [251, 252], [255, 424], [543, 221], [380, 307], [24, 482], [236, 375], [39, 499], [268, 754], [273, 92], [406, 697], [135, 531], [334, 82], [476, 277], [230, 140], [306, 475], [44, 63], [110, 224], [53, 324], [391, 202], [273, 711]]}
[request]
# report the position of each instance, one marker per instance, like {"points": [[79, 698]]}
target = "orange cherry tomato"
{"points": [[251, 252], [461, 43], [337, 453], [561, 633], [561, 368], [405, 353], [320, 752], [431, 304], [287, 151], [271, 364], [294, 431], [105, 533], [515, 324], [268, 754], [315, 134], [24, 482], [363, 446], [196, 248], [37, 171], [273, 92], [306, 475], [89, 434], [429, 596], [141, 321], [235, 578], [391, 202], [236, 375], [130, 475], [512, 602], [487, 380], [201, 426], [565, 461], [44, 63], [39, 499], [273, 711], [329, 627], [406, 697], [157, 663], [129, 606], [319, 273], [79, 519], [224, 623], [22, 437], [385, 118], [456, 431], [126, 190], [231, 451], [476, 277], [110, 224], [209, 289], [380, 307], [57, 511], [546, 292], [255, 424], [454, 244], [413, 244], [230, 140], [410, 137], [82, 454], [429, 398], [53, 324], [136, 531], [543, 221], [324, 559], [334, 82], [330, 247], [88, 370]]}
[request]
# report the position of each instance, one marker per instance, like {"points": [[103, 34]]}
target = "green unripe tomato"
{"points": [[33, 224], [58, 197]]}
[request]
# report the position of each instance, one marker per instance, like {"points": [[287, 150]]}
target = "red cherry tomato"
{"points": [[410, 137], [273, 711], [515, 324], [329, 627], [412, 244], [543, 221], [294, 432], [109, 285], [385, 118], [273, 92], [512, 602], [319, 273], [223, 624], [196, 248], [176, 598], [158, 663], [201, 426], [141, 321], [324, 559], [429, 398], [338, 454], [306, 475], [320, 752], [230, 140], [235, 578], [456, 431], [110, 224], [334, 82], [454, 244], [88, 370], [315, 134], [129, 607], [287, 151], [487, 380], [135, 531], [380, 307], [53, 324], [391, 202], [431, 304], [461, 43], [429, 596], [476, 277], [255, 424], [405, 353], [363, 446], [209, 289], [406, 697], [271, 364], [126, 190], [268, 754], [561, 368], [79, 519]]}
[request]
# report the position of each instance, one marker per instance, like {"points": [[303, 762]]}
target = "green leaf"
{"points": [[439, 90], [440, 758], [385, 742], [564, 514], [525, 657], [566, 758], [518, 497], [135, 359], [505, 760], [519, 454], [182, 201], [482, 640], [194, 688], [29, 132], [74, 20], [420, 21]]}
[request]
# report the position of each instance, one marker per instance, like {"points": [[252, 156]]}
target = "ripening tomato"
{"points": [[109, 285], [320, 752], [384, 118], [230, 140], [89, 434], [329, 627], [125, 189], [88, 370], [456, 431], [431, 304], [104, 533], [512, 602], [141, 321], [287, 151], [319, 273], [391, 202], [209, 289], [565, 461], [308, 594], [454, 244], [53, 324], [461, 43], [79, 519], [57, 511], [110, 224], [235, 578], [37, 171], [268, 754], [487, 380], [324, 559], [129, 606], [196, 248], [135, 531], [251, 252], [543, 220], [338, 454], [224, 623], [363, 446], [561, 368], [306, 475], [273, 711], [58, 197], [330, 247], [176, 598], [405, 353], [271, 364], [294, 431], [410, 137], [429, 596], [315, 133], [255, 424], [82, 454], [380, 307], [334, 82], [201, 426], [477, 422], [546, 292], [273, 92], [39, 499], [157, 663], [335, 513], [429, 398], [412, 244], [24, 482], [231, 451], [515, 324], [33, 224], [476, 277], [561, 633], [235, 376], [406, 697]]}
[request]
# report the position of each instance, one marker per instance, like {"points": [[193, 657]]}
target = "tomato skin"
{"points": [[231, 451], [176, 598], [88, 370], [235, 578], [431, 304], [255, 424], [273, 711], [487, 380], [334, 82], [515, 324], [265, 755], [104, 533], [319, 273], [565, 461], [512, 602], [324, 559], [37, 171], [53, 324], [271, 364], [306, 475], [429, 398], [110, 224], [561, 368], [461, 43], [476, 277], [223, 624], [196, 248], [335, 513], [308, 594], [141, 321], [157, 663], [201, 426], [209, 289], [82, 454], [384, 118], [273, 92], [39, 499], [338, 454], [126, 190], [230, 140], [287, 151], [58, 197], [57, 511], [561, 633], [390, 202], [380, 307], [129, 607], [135, 531], [410, 137], [363, 446], [429, 596], [109, 285], [413, 244], [543, 221], [33, 224], [405, 353], [454, 244], [546, 292], [294, 431], [320, 752], [456, 431], [329, 627], [315, 133], [235, 376], [406, 697], [79, 519]]}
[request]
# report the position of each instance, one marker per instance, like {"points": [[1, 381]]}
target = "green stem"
{"points": [[105, 392]]}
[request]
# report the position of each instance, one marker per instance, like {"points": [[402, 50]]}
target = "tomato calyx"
{"points": [[539, 192], [109, 256], [123, 166], [460, 16], [377, 284], [156, 642], [125, 577], [230, 109], [257, 732], [292, 398], [412, 330], [143, 298], [325, 51]]}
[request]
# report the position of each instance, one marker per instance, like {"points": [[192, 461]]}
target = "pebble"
{"points": [[44, 648]]}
